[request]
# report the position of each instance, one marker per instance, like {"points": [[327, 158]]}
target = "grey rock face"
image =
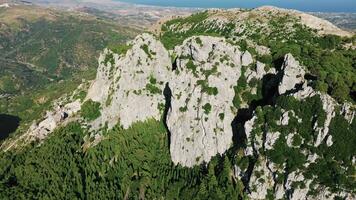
{"points": [[202, 92], [131, 88], [257, 74], [246, 59], [202, 89], [52, 120], [349, 111], [293, 74]]}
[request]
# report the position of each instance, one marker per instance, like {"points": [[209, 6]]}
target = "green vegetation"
{"points": [[153, 89], [32, 105], [183, 109], [239, 89], [192, 66], [132, 164], [48, 55], [324, 56], [198, 40], [120, 49], [151, 86], [81, 95], [170, 38], [206, 89], [8, 85], [90, 110], [109, 58], [334, 167], [207, 108], [221, 116], [135, 163], [149, 52]]}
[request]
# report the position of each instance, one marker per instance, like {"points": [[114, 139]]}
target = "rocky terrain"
{"points": [[249, 116]]}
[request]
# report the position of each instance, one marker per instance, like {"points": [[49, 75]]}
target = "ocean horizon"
{"points": [[302, 5]]}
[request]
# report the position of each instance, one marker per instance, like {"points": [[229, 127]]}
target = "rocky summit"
{"points": [[222, 104]]}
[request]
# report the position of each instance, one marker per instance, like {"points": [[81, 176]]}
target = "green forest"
{"points": [[126, 164]]}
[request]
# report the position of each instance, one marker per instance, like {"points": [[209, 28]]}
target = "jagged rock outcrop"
{"points": [[348, 111], [261, 181], [329, 108], [258, 73], [246, 59], [130, 87], [292, 83], [202, 92], [293, 74], [53, 119]]}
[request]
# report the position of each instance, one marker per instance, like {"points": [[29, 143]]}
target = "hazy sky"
{"points": [[304, 5]]}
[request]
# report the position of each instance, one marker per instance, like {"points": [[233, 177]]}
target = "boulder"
{"points": [[246, 59]]}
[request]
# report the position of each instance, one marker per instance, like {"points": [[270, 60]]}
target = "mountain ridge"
{"points": [[242, 118]]}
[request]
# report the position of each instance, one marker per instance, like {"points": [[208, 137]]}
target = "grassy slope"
{"points": [[46, 53]]}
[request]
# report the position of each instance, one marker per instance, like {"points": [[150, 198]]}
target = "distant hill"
{"points": [[42, 48], [342, 20]]}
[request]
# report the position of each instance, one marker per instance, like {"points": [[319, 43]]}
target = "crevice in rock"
{"points": [[310, 77], [297, 88], [247, 175], [288, 192], [269, 93], [167, 92], [174, 64]]}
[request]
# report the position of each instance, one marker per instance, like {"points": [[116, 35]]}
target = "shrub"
{"points": [[90, 110], [120, 49], [207, 108]]}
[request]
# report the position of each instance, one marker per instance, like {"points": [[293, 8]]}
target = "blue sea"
{"points": [[303, 5]]}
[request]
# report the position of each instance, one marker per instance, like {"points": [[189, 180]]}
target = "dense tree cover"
{"points": [[126, 164], [335, 168], [325, 58], [90, 110], [171, 38]]}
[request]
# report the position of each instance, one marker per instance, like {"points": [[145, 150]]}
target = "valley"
{"points": [[43, 50]]}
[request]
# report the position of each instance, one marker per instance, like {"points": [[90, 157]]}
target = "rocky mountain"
{"points": [[222, 104]]}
